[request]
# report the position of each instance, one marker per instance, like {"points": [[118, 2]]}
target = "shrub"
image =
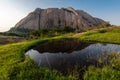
{"points": [[102, 30], [50, 32], [105, 24]]}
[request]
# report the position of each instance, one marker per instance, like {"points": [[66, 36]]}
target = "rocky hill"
{"points": [[55, 17]]}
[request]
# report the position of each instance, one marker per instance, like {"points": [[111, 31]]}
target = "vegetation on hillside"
{"points": [[19, 31], [15, 66], [104, 35], [8, 34], [34, 34], [110, 71], [50, 32], [47, 32]]}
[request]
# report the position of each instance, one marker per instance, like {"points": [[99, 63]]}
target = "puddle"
{"points": [[62, 55]]}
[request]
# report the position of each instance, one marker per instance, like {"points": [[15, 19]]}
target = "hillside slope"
{"points": [[54, 17]]}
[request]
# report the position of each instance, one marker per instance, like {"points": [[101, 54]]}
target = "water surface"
{"points": [[63, 60]]}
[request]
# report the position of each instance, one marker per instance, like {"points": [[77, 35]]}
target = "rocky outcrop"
{"points": [[54, 17]]}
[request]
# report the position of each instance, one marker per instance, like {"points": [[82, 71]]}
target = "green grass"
{"points": [[14, 65], [109, 72], [106, 73], [102, 35]]}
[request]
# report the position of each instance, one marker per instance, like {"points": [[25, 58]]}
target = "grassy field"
{"points": [[104, 35], [14, 65], [110, 71]]}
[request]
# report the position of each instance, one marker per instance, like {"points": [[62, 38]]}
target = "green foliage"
{"points": [[34, 34], [104, 35], [50, 32], [105, 24], [14, 65], [110, 71], [102, 30], [27, 70], [106, 73], [115, 30], [9, 34], [19, 32], [88, 33]]}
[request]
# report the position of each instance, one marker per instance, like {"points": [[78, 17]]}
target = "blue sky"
{"points": [[11, 11]]}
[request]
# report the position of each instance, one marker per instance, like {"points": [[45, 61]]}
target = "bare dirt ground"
{"points": [[10, 39]]}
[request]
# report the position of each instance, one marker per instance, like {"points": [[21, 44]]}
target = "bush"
{"points": [[50, 32], [105, 24], [102, 30]]}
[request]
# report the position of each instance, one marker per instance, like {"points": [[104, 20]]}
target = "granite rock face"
{"points": [[55, 17]]}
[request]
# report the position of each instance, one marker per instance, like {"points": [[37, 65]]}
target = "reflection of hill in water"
{"points": [[61, 46], [62, 61]]}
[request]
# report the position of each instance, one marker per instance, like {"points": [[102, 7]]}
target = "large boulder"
{"points": [[55, 17]]}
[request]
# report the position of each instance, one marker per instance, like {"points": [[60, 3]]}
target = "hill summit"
{"points": [[55, 17]]}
